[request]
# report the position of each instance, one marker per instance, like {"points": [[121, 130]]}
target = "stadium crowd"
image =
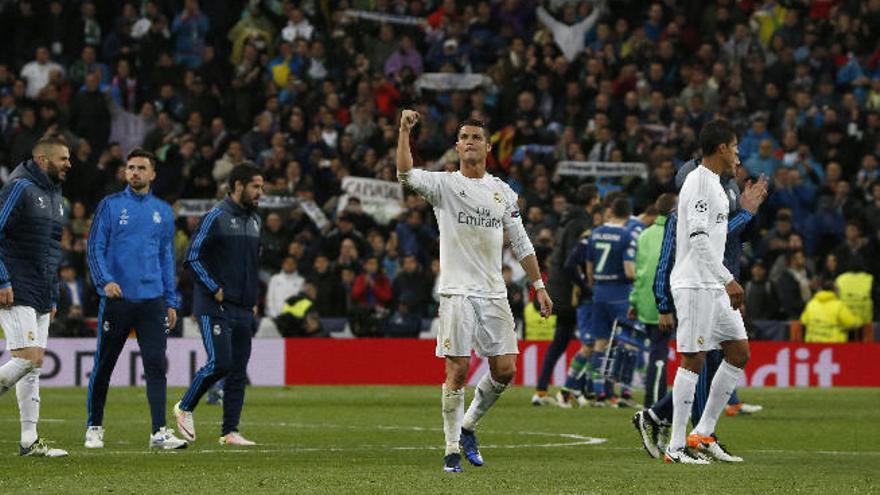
{"points": [[310, 92]]}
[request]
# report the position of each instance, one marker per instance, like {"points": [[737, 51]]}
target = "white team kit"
{"points": [[23, 327], [705, 316], [473, 215]]}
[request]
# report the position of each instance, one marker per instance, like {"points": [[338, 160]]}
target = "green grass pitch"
{"points": [[388, 440]]}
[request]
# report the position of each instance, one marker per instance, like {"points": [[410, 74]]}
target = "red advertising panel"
{"points": [[792, 364], [412, 362]]}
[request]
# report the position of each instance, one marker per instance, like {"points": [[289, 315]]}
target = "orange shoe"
{"points": [[695, 440], [733, 410], [711, 448]]}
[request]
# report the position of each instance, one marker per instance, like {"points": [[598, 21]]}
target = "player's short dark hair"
{"points": [[44, 143], [141, 153], [651, 211], [665, 203], [473, 123], [611, 197], [714, 134], [243, 173], [620, 208]]}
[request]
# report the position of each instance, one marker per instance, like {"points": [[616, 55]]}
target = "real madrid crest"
{"points": [[497, 197]]}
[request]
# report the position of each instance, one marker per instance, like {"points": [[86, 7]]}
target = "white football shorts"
{"points": [[23, 327], [705, 320], [468, 322]]}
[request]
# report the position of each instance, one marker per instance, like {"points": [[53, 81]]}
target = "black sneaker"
{"points": [[452, 463], [683, 456], [40, 449], [648, 430]]}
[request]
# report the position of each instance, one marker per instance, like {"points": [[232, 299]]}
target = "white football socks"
{"points": [[723, 385], [453, 411], [682, 399], [487, 392], [11, 372], [28, 392]]}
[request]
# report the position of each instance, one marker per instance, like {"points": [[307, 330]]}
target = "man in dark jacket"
{"points": [[31, 220], [573, 224], [89, 114], [224, 255]]}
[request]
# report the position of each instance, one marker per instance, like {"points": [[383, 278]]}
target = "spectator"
{"points": [[853, 252], [826, 318], [570, 33], [414, 237], [273, 242], [189, 29], [764, 162], [87, 64], [298, 26], [282, 286], [760, 296], [405, 56], [372, 289], [329, 298], [412, 288], [233, 157], [299, 316], [793, 286], [855, 288], [37, 72]]}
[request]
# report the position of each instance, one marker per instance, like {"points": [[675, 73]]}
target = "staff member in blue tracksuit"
{"points": [[131, 258], [31, 220], [224, 255]]}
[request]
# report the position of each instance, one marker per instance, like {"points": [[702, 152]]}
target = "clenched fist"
{"points": [[408, 120]]}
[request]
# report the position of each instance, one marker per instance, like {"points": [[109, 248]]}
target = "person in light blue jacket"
{"points": [[131, 259]]}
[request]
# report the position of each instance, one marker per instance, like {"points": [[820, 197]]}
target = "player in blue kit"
{"points": [[608, 260], [131, 258]]}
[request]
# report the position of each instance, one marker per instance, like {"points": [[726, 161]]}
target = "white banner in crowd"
{"points": [[198, 207], [405, 20], [381, 199], [68, 362], [441, 81], [194, 207], [602, 169]]}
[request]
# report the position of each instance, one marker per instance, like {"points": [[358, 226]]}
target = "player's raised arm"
{"points": [[408, 120]]}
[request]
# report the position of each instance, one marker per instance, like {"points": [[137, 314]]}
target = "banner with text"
{"points": [[68, 362], [601, 169], [381, 199], [412, 362], [792, 364]]}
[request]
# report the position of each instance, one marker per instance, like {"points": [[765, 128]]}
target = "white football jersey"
{"points": [[473, 215], [702, 210]]}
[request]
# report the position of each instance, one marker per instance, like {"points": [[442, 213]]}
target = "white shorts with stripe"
{"points": [[469, 322], [23, 327], [705, 320]]}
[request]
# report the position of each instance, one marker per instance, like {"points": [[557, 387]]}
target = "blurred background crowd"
{"points": [[310, 92]]}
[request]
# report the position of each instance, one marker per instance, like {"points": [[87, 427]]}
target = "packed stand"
{"points": [[311, 94]]}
